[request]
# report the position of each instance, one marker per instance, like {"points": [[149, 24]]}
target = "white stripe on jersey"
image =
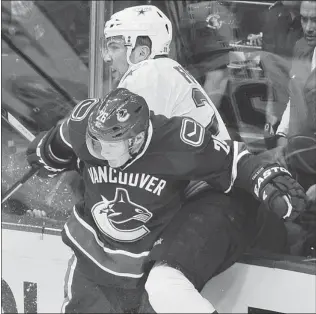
{"points": [[68, 282], [95, 261], [63, 137], [236, 158]]}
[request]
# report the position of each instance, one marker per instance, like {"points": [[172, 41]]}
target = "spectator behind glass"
{"points": [[299, 118], [281, 30], [297, 130]]}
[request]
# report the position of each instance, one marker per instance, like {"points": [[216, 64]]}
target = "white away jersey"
{"points": [[170, 90]]}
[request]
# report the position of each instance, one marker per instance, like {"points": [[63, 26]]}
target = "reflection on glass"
{"points": [[45, 48]]}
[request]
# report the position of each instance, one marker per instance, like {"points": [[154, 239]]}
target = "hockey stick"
{"points": [[19, 183], [17, 125]]}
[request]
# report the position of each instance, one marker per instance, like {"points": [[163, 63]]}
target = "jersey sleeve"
{"points": [[58, 143], [193, 153], [195, 104], [67, 139], [192, 101], [61, 144], [51, 151]]}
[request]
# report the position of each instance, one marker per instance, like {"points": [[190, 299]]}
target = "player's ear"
{"points": [[141, 53], [145, 51]]}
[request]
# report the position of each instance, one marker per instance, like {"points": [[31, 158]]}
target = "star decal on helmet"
{"points": [[142, 11]]}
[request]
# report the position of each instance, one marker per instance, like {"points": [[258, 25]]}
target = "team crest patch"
{"points": [[121, 219], [213, 21], [122, 115], [192, 132]]}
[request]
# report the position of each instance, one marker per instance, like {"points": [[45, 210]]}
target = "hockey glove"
{"points": [[39, 154], [276, 188]]}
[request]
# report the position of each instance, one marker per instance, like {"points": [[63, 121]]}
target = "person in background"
{"points": [[296, 134], [281, 30], [299, 116]]}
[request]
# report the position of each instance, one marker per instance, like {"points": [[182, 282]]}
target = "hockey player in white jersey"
{"points": [[136, 47]]}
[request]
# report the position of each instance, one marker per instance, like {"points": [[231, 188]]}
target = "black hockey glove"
{"points": [[39, 155], [276, 188]]}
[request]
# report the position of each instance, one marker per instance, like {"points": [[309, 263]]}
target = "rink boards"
{"points": [[34, 261]]}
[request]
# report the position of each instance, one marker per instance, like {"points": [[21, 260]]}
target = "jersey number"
{"points": [[199, 98], [220, 145]]}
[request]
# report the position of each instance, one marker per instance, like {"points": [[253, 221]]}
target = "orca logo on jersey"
{"points": [[121, 219], [192, 133]]}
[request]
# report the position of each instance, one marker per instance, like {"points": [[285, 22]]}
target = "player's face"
{"points": [[116, 153], [114, 53], [308, 20]]}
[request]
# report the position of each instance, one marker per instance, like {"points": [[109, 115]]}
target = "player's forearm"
{"points": [[55, 153], [58, 145], [254, 171], [247, 168]]}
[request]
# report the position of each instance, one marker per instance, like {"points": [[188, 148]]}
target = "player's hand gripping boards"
{"points": [[276, 188]]}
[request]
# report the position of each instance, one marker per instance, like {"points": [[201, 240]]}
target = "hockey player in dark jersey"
{"points": [[134, 232]]}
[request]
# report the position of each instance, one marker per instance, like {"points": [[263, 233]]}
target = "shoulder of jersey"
{"points": [[78, 119], [150, 68], [178, 134], [137, 71], [160, 62]]}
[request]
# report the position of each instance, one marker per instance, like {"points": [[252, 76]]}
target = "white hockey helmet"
{"points": [[143, 20]]}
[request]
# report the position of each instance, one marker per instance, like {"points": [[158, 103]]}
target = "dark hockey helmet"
{"points": [[120, 116]]}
